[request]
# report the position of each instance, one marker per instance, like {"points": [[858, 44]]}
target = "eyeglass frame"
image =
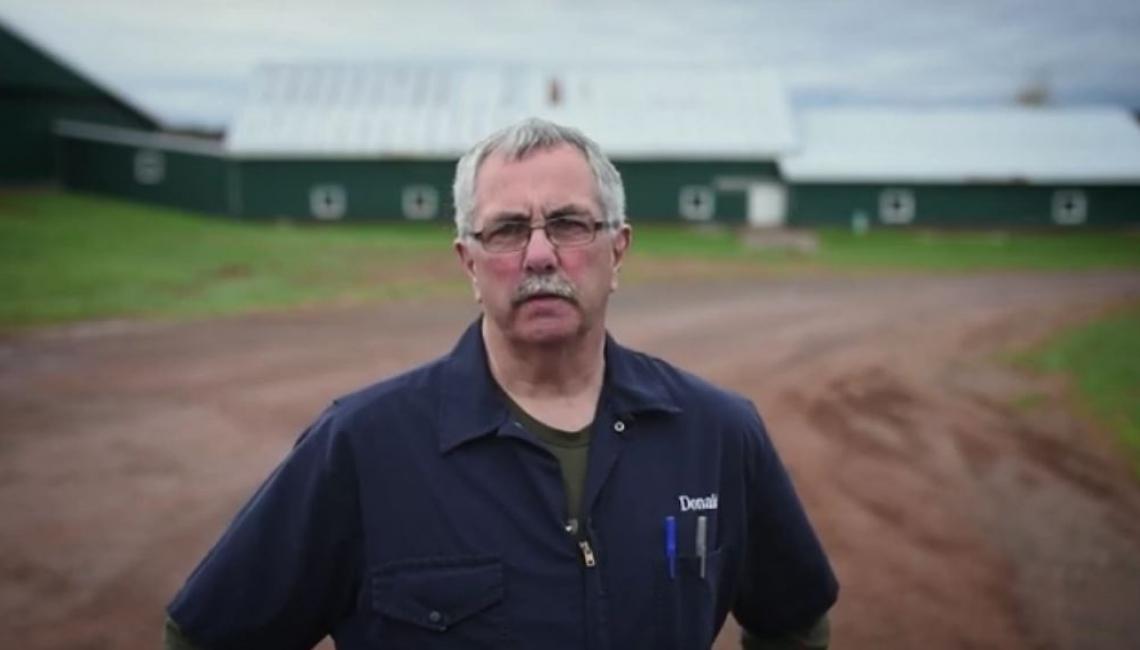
{"points": [[596, 226]]}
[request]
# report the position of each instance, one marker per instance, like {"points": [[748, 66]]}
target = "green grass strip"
{"points": [[66, 257], [906, 249], [1102, 359]]}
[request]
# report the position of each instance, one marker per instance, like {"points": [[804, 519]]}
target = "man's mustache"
{"points": [[544, 285]]}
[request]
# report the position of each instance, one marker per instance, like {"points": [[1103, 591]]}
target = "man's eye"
{"points": [[510, 229], [568, 226]]}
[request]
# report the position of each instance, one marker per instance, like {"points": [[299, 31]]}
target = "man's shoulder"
{"points": [[409, 391], [687, 389]]}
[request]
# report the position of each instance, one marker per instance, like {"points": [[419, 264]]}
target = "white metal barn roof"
{"points": [[436, 110], [1032, 145]]}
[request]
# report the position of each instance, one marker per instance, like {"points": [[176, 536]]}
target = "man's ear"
{"points": [[467, 261], [621, 243]]}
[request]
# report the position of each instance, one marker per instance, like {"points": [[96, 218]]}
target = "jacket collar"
{"points": [[472, 404], [633, 385]]}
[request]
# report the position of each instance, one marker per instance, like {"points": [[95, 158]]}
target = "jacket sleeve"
{"points": [[173, 639], [286, 569], [786, 582], [817, 637]]}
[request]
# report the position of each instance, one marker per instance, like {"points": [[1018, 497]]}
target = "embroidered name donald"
{"points": [[697, 503]]}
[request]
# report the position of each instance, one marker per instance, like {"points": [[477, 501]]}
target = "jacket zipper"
{"points": [[588, 558], [587, 553]]}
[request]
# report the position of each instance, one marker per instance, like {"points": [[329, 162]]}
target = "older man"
{"points": [[540, 486]]}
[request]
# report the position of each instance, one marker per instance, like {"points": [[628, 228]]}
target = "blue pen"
{"points": [[671, 545]]}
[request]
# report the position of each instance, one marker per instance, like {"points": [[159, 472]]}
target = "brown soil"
{"points": [[962, 504]]}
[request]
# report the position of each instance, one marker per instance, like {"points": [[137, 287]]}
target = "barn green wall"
{"points": [[190, 181], [35, 91], [653, 188], [374, 188], [834, 204]]}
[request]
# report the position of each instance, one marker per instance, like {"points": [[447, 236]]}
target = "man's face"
{"points": [[542, 293]]}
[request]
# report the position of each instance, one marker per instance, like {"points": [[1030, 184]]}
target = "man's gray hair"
{"points": [[516, 142]]}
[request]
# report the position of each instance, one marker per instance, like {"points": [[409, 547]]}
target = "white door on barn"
{"points": [[767, 203]]}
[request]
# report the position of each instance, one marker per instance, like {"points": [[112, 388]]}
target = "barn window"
{"points": [[420, 202], [150, 167], [328, 201], [896, 206], [697, 202], [1070, 207]]}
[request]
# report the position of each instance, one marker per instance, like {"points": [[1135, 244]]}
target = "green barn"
{"points": [[37, 89], [702, 144], [965, 168], [380, 141], [61, 125], [179, 171]]}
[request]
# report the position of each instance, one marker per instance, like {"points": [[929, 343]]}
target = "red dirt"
{"points": [[958, 510]]}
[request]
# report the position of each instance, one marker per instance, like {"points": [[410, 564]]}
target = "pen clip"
{"points": [[702, 542], [671, 545]]}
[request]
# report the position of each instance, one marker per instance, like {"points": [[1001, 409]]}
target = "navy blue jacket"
{"points": [[417, 514]]}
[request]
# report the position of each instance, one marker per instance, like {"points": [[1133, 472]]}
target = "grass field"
{"points": [[1102, 360], [66, 257], [910, 250]]}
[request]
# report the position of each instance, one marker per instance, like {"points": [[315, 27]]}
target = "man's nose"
{"points": [[540, 254]]}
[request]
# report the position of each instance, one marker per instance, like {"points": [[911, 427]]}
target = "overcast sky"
{"points": [[188, 61]]}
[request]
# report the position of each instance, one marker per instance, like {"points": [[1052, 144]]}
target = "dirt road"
{"points": [[962, 503]]}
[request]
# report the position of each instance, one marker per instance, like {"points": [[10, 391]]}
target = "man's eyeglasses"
{"points": [[562, 232]]}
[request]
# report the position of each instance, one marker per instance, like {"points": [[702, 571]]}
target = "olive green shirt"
{"points": [[571, 448]]}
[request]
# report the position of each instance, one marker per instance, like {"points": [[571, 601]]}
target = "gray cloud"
{"points": [[188, 60]]}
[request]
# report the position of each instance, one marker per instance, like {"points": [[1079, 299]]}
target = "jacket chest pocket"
{"points": [[687, 602], [439, 603]]}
